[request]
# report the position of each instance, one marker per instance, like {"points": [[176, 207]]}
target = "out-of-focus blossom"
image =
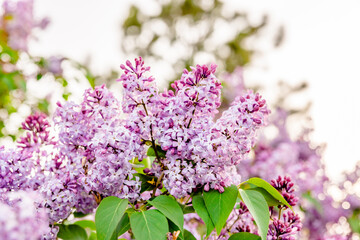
{"points": [[18, 23], [20, 217]]}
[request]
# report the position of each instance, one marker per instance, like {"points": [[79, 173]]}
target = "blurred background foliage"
{"points": [[192, 29]]}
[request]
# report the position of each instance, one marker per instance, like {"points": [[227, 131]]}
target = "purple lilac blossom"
{"points": [[286, 187], [285, 228], [97, 146], [15, 170], [199, 150]]}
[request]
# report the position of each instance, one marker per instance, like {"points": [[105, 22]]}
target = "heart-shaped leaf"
{"points": [[170, 208], [149, 225], [108, 217], [220, 205]]}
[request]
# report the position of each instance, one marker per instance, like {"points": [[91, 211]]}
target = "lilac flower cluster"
{"points": [[289, 225], [286, 188], [18, 22], [15, 170], [20, 217], [36, 165], [199, 150], [97, 146], [286, 228]]}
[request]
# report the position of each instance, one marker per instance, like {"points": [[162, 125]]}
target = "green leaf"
{"points": [[108, 217], [200, 208], [151, 152], [9, 81], [187, 209], [270, 189], [244, 236], [66, 96], [220, 205], [71, 232], [170, 208], [354, 221], [93, 236], [188, 235], [86, 224], [313, 201], [124, 225], [149, 225], [39, 76], [258, 208], [79, 214], [141, 165], [271, 201]]}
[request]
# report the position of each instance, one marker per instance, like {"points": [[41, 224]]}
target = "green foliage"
{"points": [[244, 236], [79, 214], [188, 209], [354, 221], [308, 196], [220, 205], [143, 33], [149, 225], [170, 208], [108, 217], [151, 152], [147, 182], [258, 208], [200, 208], [72, 232], [86, 224], [188, 235], [124, 224], [271, 195], [116, 216]]}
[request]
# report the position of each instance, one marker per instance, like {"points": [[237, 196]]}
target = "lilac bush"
{"points": [[101, 147], [173, 146]]}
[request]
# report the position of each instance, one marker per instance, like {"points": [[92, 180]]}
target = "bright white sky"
{"points": [[321, 46]]}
